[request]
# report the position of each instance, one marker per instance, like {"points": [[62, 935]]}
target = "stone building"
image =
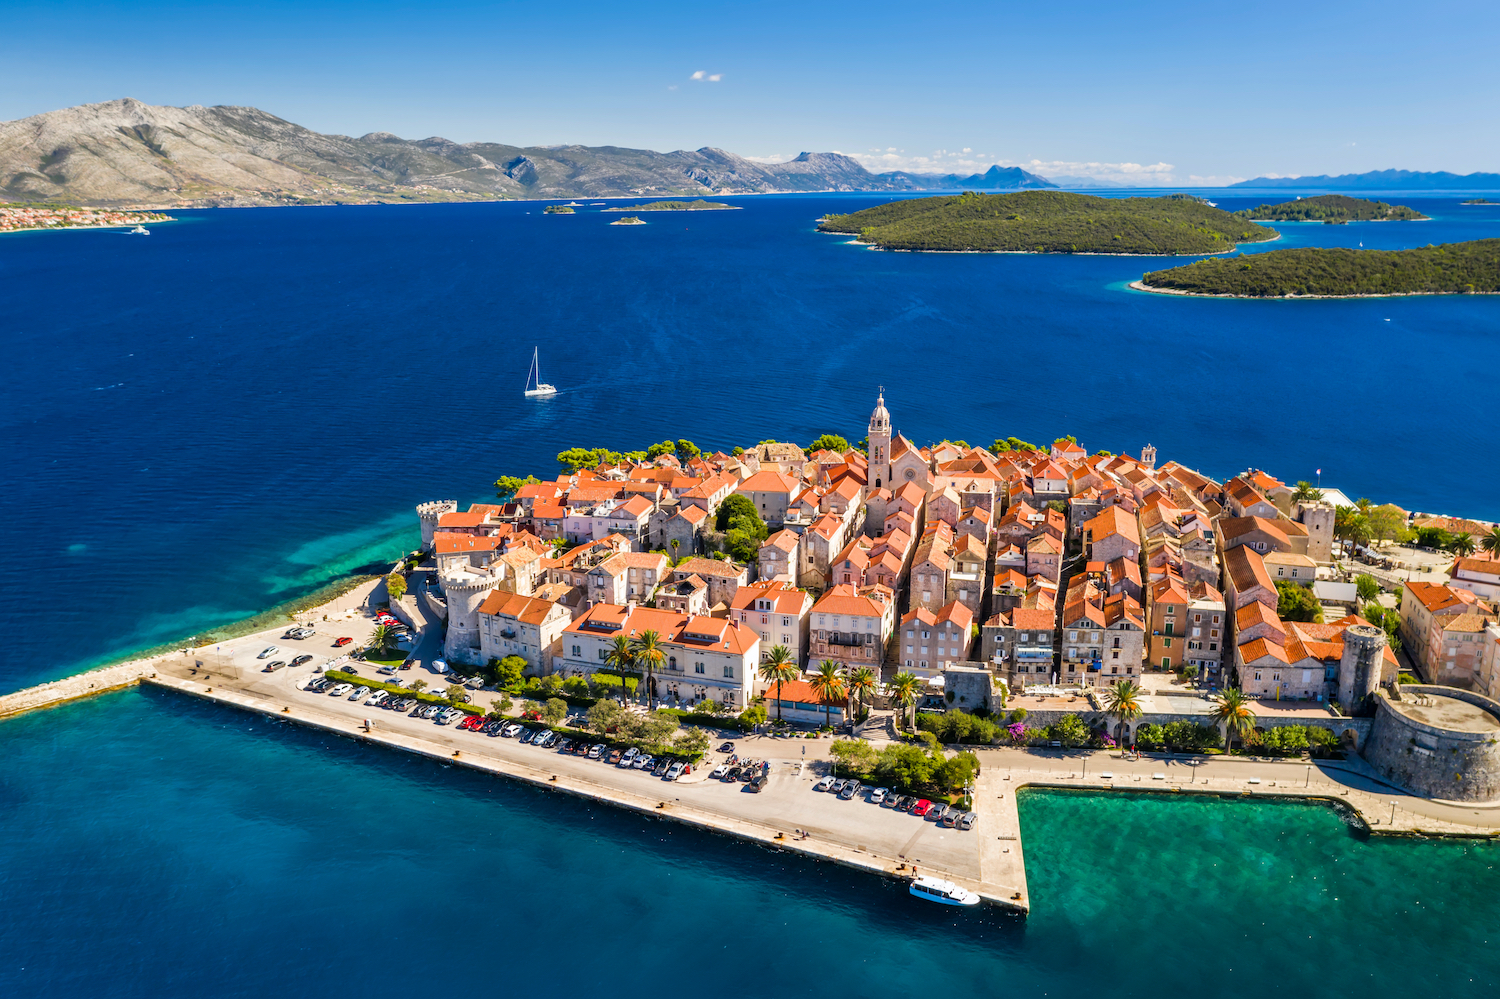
{"points": [[529, 627]]}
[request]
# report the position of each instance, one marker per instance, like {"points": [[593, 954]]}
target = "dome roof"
{"points": [[881, 414]]}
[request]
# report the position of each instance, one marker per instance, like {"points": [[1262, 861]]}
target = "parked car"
{"points": [[748, 773], [950, 818], [377, 697], [273, 667], [728, 747], [341, 689], [641, 762], [660, 769], [719, 771], [628, 757], [359, 692], [339, 643], [674, 771], [758, 784], [904, 803], [850, 790], [304, 658], [512, 730], [548, 738], [595, 752], [838, 785], [921, 808], [936, 812], [823, 784], [877, 796], [733, 775], [967, 820], [268, 652], [615, 756], [300, 633]]}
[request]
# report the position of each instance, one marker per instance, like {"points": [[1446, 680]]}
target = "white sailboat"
{"points": [[533, 385]]}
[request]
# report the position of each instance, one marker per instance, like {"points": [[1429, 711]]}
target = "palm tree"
{"points": [[384, 638], [1123, 700], [1491, 542], [862, 680], [903, 689], [1306, 492], [779, 668], [1232, 710], [649, 653], [827, 681], [1462, 544], [620, 657], [675, 543]]}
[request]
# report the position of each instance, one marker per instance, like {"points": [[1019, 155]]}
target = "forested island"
{"points": [[1050, 222], [1334, 208], [1480, 201], [1338, 272], [675, 206], [557, 210]]}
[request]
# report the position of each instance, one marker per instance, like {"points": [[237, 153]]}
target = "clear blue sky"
{"points": [[1180, 90]]}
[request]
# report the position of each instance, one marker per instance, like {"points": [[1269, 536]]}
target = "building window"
{"points": [[577, 652], [1166, 643], [1257, 676], [698, 668], [603, 653], [671, 662], [729, 672]]}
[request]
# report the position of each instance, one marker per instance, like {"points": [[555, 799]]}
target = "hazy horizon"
{"points": [[1171, 95]]}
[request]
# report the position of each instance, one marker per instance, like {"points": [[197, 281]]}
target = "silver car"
{"points": [[359, 692], [967, 820]]}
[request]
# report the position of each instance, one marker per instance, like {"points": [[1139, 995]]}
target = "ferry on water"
{"points": [[943, 892], [140, 230]]}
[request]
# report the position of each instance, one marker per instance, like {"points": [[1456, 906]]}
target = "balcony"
{"points": [[848, 640]]}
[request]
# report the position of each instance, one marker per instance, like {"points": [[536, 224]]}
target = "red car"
{"points": [[471, 722], [921, 808], [341, 642]]}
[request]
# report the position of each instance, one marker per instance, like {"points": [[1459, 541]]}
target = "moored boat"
{"points": [[944, 892]]}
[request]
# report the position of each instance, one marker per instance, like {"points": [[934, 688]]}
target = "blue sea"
{"points": [[248, 403]]}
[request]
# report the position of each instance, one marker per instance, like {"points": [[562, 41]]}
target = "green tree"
{"points": [[692, 742], [620, 657], [687, 451], [555, 710], [1462, 544], [904, 766], [779, 668], [862, 683], [384, 638], [508, 485], [1069, 730], [509, 672], [1305, 492], [827, 681], [853, 758], [1232, 711], [456, 693], [903, 689], [676, 544], [1491, 542], [957, 772], [417, 686], [582, 457], [1387, 522], [395, 586], [1350, 524], [657, 450], [741, 545], [650, 655], [497, 710], [1297, 603], [735, 506], [1367, 586], [829, 442], [1123, 700], [605, 716]]}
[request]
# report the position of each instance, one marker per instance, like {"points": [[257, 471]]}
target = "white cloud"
{"points": [[773, 158], [704, 75], [967, 161], [698, 75], [715, 78]]}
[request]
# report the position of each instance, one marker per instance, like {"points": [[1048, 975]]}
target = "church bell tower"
{"points": [[880, 444]]}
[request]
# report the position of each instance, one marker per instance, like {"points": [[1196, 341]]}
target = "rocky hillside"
{"points": [[125, 152]]}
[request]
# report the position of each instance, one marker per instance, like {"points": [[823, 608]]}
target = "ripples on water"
{"points": [[154, 845]]}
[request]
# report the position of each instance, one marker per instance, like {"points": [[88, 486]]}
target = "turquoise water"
{"points": [[151, 845]]}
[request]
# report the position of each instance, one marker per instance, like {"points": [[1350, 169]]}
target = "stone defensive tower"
{"points": [[465, 590], [1318, 519], [429, 514], [1360, 667], [1148, 458]]}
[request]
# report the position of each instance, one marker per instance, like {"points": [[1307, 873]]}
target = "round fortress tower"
{"points": [[429, 514], [1360, 667], [1439, 742], [465, 589]]}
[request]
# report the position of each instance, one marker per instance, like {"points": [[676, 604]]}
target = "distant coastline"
{"points": [[56, 218], [1138, 285]]}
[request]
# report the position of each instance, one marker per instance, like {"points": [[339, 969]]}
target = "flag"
{"points": [[1320, 471]]}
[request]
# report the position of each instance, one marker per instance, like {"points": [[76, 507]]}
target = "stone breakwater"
{"points": [[58, 692]]}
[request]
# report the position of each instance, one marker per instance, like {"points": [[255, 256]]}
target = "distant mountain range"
{"points": [[1384, 180], [125, 152]]}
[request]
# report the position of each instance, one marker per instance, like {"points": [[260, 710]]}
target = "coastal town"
{"points": [[21, 218], [923, 629]]}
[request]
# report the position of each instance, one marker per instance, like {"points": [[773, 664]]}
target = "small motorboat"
{"points": [[943, 892], [140, 230]]}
